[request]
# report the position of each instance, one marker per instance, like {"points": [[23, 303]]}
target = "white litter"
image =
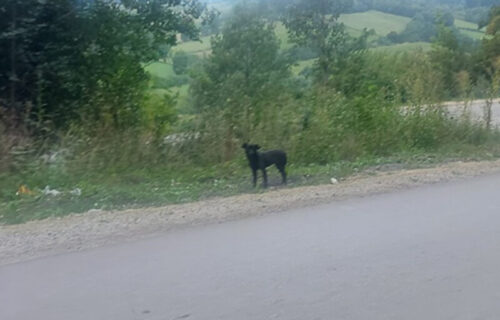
{"points": [[76, 192], [50, 192]]}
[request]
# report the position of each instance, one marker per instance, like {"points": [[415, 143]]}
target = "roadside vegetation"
{"points": [[108, 105]]}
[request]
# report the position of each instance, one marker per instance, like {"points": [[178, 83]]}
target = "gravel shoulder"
{"points": [[98, 228]]}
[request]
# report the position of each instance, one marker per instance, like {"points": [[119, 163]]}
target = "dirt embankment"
{"points": [[97, 228]]}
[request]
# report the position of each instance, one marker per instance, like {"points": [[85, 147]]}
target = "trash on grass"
{"points": [[50, 192], [76, 192], [23, 189]]}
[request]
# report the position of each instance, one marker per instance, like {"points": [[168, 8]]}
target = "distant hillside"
{"points": [[382, 23]]}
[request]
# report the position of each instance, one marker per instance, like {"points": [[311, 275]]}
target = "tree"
{"points": [[180, 62], [242, 76], [70, 60], [448, 59], [315, 23]]}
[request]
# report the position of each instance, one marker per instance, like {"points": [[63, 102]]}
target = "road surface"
{"points": [[426, 253], [476, 110]]}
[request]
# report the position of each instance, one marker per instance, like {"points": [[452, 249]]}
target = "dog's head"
{"points": [[250, 149]]}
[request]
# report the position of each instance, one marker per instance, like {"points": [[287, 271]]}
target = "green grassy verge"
{"points": [[143, 187]]}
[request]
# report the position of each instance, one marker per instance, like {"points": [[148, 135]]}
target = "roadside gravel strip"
{"points": [[97, 228]]}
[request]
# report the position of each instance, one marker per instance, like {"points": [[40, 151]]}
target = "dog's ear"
{"points": [[257, 147], [244, 146]]}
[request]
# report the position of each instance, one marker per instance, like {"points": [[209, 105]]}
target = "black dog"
{"points": [[261, 160]]}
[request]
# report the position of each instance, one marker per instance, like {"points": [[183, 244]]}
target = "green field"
{"points": [[469, 29], [382, 23], [396, 48], [282, 35], [197, 47], [462, 24], [160, 69], [405, 47], [301, 65], [472, 34]]}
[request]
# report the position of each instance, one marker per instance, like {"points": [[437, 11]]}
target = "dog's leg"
{"points": [[281, 168], [254, 172], [283, 174], [264, 176]]}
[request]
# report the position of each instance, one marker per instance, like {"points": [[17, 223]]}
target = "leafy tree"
{"points": [[491, 60], [71, 60], [245, 58], [489, 64], [314, 23], [448, 58], [242, 76], [421, 28], [180, 62], [212, 23], [163, 51]]}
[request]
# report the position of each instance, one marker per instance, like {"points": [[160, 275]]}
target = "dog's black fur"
{"points": [[261, 160]]}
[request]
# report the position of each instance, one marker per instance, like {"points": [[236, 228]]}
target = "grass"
{"points": [[150, 186], [195, 47], [301, 65], [405, 47], [160, 69], [462, 24], [477, 35], [469, 29], [382, 23], [282, 35], [139, 188]]}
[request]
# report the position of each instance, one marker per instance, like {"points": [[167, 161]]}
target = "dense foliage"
{"points": [[105, 90], [62, 61]]}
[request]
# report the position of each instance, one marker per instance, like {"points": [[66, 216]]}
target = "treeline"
{"points": [[82, 61], [73, 78], [472, 10]]}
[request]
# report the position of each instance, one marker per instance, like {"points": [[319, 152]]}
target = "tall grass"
{"points": [[171, 156], [134, 168]]}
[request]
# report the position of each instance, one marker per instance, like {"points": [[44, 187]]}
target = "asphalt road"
{"points": [[427, 253], [476, 109]]}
